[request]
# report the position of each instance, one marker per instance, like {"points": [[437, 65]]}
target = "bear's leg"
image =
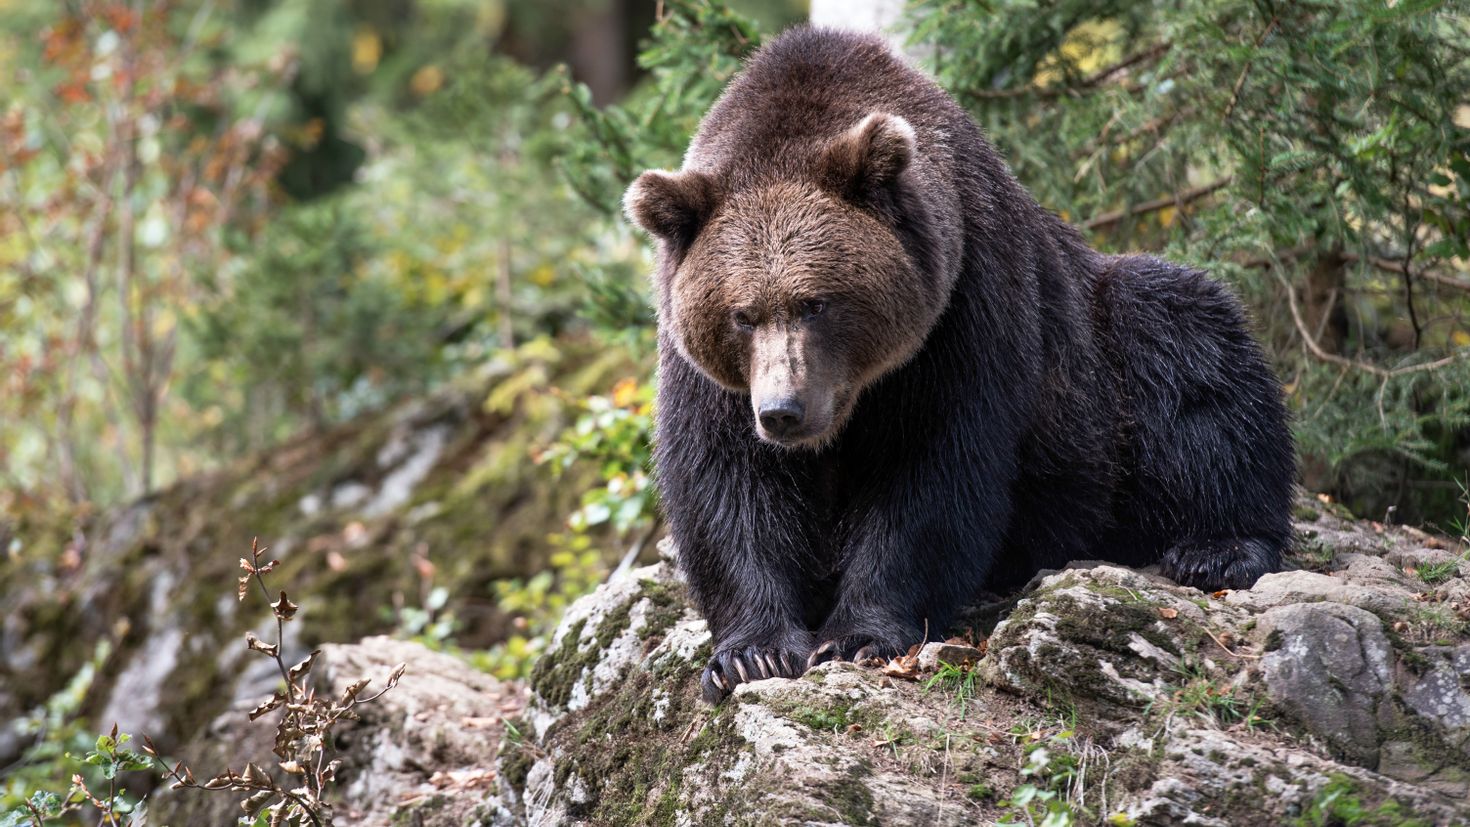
{"points": [[742, 515], [1209, 451], [918, 547], [742, 554], [753, 607]]}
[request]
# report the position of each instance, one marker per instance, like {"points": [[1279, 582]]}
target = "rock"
{"points": [[422, 754], [1329, 666], [624, 738], [1207, 777], [1103, 634], [1323, 696], [936, 655], [1438, 690], [1353, 588]]}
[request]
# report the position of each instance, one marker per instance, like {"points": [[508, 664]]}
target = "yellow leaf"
{"points": [[427, 80], [367, 49], [625, 392]]}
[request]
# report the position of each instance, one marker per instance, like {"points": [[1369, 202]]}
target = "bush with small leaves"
{"points": [[115, 809], [293, 794], [303, 735]]}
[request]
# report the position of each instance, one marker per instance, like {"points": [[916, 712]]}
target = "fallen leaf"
{"points": [[904, 666], [1167, 613]]}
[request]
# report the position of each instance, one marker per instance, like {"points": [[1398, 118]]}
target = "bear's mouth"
{"points": [[794, 440]]}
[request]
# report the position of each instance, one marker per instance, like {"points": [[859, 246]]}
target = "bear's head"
{"points": [[794, 287]]}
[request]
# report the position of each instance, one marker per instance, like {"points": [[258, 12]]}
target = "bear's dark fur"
{"points": [[889, 378]]}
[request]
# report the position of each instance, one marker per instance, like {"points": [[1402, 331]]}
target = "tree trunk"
{"points": [[1323, 302]]}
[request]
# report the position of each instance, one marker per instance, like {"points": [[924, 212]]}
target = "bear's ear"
{"points": [[868, 157], [671, 205]]}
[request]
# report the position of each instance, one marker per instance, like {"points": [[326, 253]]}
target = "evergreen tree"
{"points": [[1314, 154]]}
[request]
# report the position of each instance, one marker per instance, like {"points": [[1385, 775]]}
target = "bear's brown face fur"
{"points": [[789, 290]]}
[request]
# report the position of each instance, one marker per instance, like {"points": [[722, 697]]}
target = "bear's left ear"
{"points": [[868, 157], [671, 205]]}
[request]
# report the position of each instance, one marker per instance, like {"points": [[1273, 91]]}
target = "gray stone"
{"points": [[421, 754], [1330, 667], [1438, 692], [1368, 592], [933, 655]]}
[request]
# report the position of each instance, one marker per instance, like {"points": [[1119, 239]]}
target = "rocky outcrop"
{"points": [[439, 491], [1333, 693], [421, 754]]}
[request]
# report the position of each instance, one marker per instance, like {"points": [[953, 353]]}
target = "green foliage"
{"points": [[1047, 772], [612, 433], [1435, 573], [693, 51], [961, 680], [1340, 802], [108, 759], [1315, 154], [458, 241], [1213, 701], [60, 733]]}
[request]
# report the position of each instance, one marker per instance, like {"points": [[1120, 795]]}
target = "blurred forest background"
{"points": [[231, 228]]}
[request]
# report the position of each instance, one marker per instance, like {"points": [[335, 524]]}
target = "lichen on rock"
{"points": [[1328, 691]]}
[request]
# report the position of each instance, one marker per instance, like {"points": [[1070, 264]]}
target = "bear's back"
{"points": [[806, 87]]}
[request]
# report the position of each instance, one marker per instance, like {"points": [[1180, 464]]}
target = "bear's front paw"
{"points": [[1234, 563], [731, 667], [857, 648]]}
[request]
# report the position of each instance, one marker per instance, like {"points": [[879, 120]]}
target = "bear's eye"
{"points": [[812, 309], [742, 320]]}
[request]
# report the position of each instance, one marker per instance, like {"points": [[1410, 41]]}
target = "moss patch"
{"points": [[555, 673], [1343, 803]]}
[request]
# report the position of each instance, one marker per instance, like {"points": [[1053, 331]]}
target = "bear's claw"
{"points": [[855, 648], [732, 667]]}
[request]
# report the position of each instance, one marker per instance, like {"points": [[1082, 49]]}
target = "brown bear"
{"points": [[888, 378]]}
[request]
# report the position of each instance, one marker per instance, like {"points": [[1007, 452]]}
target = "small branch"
{"points": [[1398, 266], [255, 553], [1188, 196], [1092, 81], [1245, 70], [1332, 358]]}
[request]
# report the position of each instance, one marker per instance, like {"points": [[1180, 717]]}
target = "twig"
{"points": [[255, 553], [1245, 70], [1188, 196], [1387, 264], [1092, 81], [1227, 648], [1401, 267], [1316, 349]]}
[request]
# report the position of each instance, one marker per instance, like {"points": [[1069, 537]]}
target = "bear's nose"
{"points": [[780, 417]]}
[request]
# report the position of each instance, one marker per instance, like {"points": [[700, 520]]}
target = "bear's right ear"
{"points": [[671, 205], [868, 157]]}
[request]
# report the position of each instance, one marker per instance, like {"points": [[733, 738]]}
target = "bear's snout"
{"points": [[782, 417]]}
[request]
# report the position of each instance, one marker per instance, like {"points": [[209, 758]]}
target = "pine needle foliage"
{"points": [[1314, 154]]}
